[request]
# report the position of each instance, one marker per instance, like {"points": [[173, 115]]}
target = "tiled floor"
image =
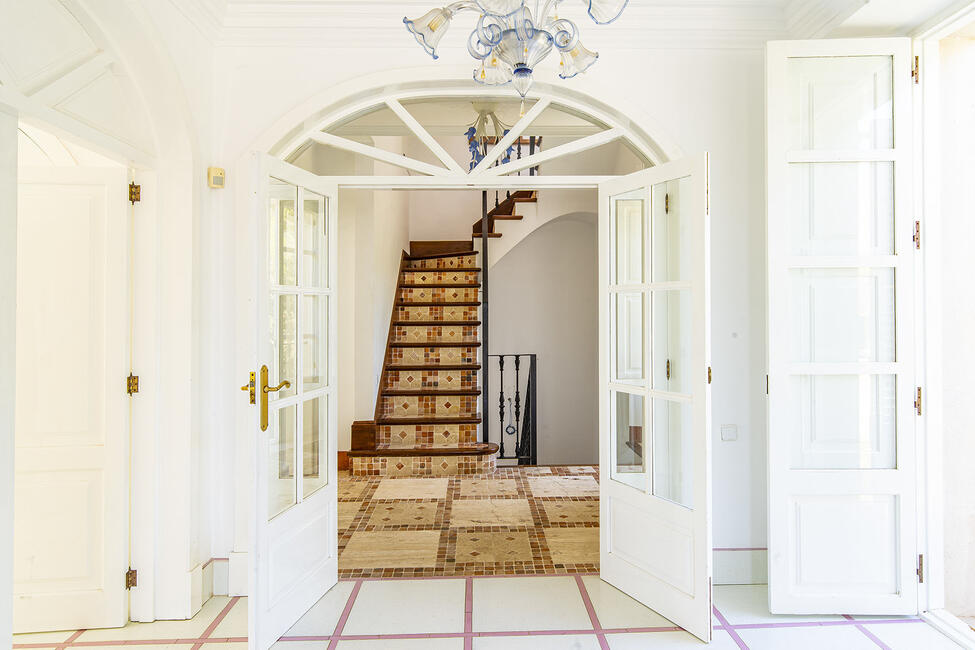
{"points": [[532, 520], [505, 613]]}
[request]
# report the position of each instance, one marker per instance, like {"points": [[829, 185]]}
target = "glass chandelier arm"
{"points": [[489, 31], [523, 24], [462, 5], [605, 11], [498, 7], [477, 48], [565, 34]]}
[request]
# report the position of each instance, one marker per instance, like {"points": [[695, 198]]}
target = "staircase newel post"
{"points": [[486, 229]]}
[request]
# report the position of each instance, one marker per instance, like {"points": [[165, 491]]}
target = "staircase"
{"points": [[504, 211], [426, 418]]}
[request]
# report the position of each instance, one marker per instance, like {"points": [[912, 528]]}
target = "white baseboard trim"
{"points": [[951, 626], [238, 573], [740, 566]]}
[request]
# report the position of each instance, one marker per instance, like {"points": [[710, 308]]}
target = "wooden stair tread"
{"points": [[392, 392], [400, 303], [491, 235], [437, 323], [444, 285], [476, 449], [508, 217], [429, 419], [434, 366], [438, 256], [435, 344]]}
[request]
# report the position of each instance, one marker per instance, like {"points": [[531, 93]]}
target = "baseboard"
{"points": [[951, 626], [238, 572], [215, 577], [740, 566]]}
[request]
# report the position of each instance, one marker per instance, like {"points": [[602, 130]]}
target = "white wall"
{"points": [[543, 300], [958, 228]]}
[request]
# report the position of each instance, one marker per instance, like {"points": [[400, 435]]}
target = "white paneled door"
{"points": [[294, 558], [842, 385], [71, 462], [654, 402]]}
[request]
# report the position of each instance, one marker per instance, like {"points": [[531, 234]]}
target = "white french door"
{"points": [[294, 558], [842, 386], [654, 402], [71, 520]]}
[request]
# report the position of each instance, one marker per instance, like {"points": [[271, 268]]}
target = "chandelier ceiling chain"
{"points": [[511, 38]]}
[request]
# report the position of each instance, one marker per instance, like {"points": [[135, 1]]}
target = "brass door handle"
{"points": [[265, 389], [284, 384], [251, 388]]}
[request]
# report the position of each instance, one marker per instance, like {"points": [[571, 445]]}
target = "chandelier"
{"points": [[510, 39]]}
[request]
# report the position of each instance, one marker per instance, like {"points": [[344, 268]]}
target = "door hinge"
{"points": [[667, 203], [668, 368], [920, 569], [135, 193], [709, 375], [917, 401], [917, 235], [766, 384], [131, 578], [916, 71], [132, 384]]}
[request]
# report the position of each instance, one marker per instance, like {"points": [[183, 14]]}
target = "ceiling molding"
{"points": [[816, 19]]}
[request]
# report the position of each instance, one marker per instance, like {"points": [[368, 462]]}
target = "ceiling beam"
{"points": [[513, 133], [73, 80], [567, 149], [378, 154], [428, 140], [468, 183]]}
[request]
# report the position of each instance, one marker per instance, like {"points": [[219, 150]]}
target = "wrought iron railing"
{"points": [[533, 143], [514, 425]]}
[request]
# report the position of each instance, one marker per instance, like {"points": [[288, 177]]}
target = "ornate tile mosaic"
{"points": [[485, 525], [425, 276], [452, 262]]}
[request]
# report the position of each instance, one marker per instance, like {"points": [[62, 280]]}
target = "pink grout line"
{"points": [[70, 639], [468, 613], [730, 630], [340, 626], [767, 626], [587, 601], [870, 635], [216, 621]]}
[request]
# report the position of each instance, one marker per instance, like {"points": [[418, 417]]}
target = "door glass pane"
{"points": [[629, 336], [314, 344], [284, 360], [314, 259], [842, 315], [842, 208], [671, 317], [281, 460], [629, 462], [282, 233], [629, 237], [844, 421], [841, 102], [673, 454], [314, 427], [669, 258]]}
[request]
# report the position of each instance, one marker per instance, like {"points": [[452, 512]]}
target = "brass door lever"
{"points": [[265, 389]]}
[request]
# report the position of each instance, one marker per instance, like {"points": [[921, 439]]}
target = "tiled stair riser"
{"points": [[439, 294], [411, 406], [432, 379], [432, 356], [434, 334], [424, 276], [402, 436], [422, 465], [453, 262], [446, 313]]}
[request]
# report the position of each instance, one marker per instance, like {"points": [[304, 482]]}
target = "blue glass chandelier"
{"points": [[513, 36]]}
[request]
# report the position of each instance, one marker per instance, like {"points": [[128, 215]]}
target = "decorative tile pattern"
{"points": [[433, 379], [422, 465], [445, 313], [452, 262], [474, 517], [434, 333], [432, 356], [411, 406], [425, 276], [438, 294]]}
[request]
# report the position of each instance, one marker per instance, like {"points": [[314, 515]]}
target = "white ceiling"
{"points": [[663, 23]]}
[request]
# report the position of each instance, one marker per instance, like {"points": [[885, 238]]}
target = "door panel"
{"points": [[71, 445], [295, 556], [655, 494], [842, 477]]}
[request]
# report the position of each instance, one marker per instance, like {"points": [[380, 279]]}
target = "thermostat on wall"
{"points": [[215, 177]]}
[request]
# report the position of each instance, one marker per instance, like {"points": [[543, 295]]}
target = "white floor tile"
{"points": [[840, 637], [402, 644], [742, 604], [234, 624], [911, 636], [614, 609], [293, 645], [43, 637], [320, 620], [185, 629], [537, 642], [512, 604], [669, 641], [408, 607]]}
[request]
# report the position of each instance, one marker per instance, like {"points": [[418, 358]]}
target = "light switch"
{"points": [[729, 432]]}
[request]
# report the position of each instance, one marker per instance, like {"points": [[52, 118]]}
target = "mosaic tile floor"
{"points": [[532, 520]]}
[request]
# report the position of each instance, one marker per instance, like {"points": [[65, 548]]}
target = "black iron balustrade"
{"points": [[517, 407]]}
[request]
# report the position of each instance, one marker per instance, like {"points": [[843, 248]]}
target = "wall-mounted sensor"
{"points": [[215, 177]]}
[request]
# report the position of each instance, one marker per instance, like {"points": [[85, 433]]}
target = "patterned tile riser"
{"points": [[438, 294], [418, 466], [457, 261], [439, 277], [433, 379], [404, 436], [446, 313], [432, 356], [406, 406], [434, 334]]}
